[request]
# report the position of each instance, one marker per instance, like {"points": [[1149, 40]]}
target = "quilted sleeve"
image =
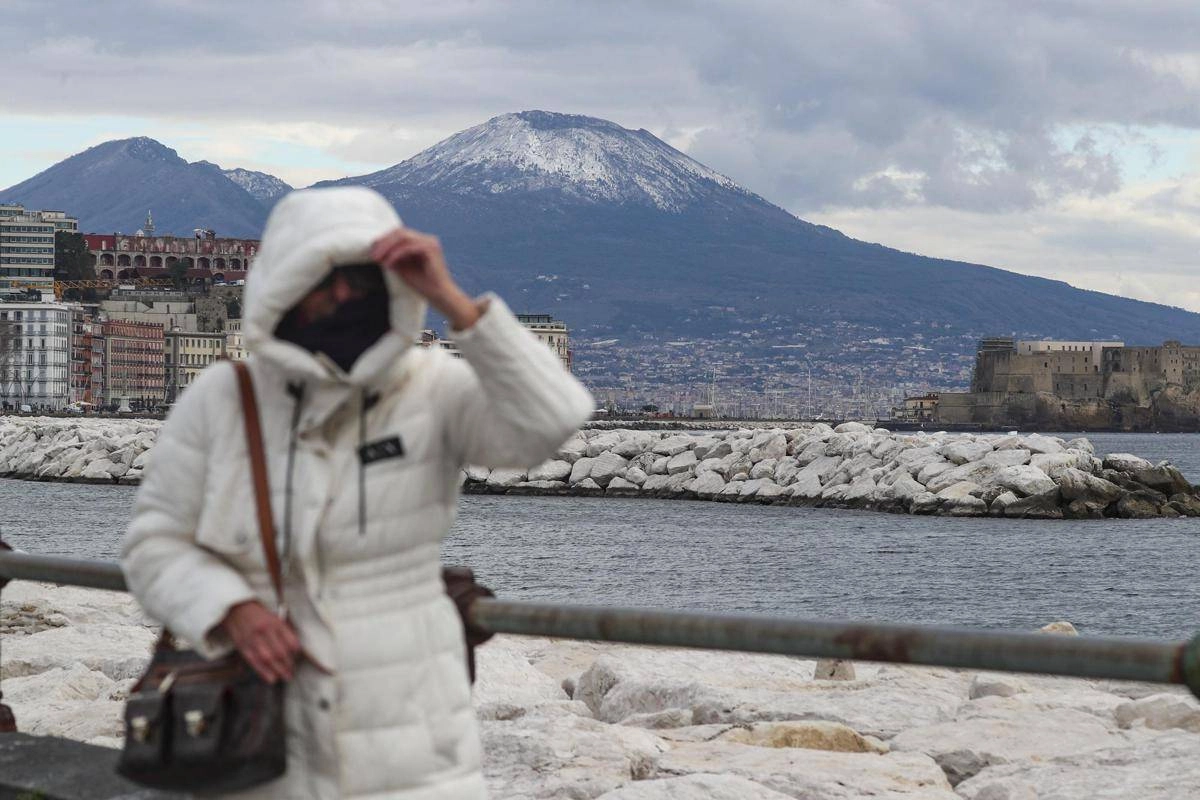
{"points": [[178, 583], [511, 404]]}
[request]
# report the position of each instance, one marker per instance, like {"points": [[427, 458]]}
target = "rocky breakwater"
{"points": [[850, 466], [562, 719], [75, 450], [856, 466]]}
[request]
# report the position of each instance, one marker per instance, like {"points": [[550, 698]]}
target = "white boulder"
{"points": [[572, 450], [1125, 462], [1023, 479], [708, 484], [553, 470], [581, 469], [635, 475], [607, 466], [803, 773], [966, 450], [682, 462], [1037, 443], [764, 468], [505, 478], [695, 786], [1160, 712], [997, 730], [673, 445]]}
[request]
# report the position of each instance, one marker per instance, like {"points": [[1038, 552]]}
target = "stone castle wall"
{"points": [[1131, 389]]}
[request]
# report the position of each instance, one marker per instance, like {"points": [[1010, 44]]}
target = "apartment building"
{"points": [[35, 355], [187, 353], [134, 364], [552, 332], [235, 345], [27, 245]]}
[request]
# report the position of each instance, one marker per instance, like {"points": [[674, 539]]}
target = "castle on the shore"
{"points": [[1078, 384]]}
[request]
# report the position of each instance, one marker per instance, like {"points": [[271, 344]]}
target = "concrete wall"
{"points": [[211, 314], [992, 409]]}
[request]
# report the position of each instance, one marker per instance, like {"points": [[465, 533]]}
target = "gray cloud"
{"points": [[814, 105]]}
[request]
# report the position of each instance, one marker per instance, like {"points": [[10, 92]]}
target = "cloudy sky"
{"points": [[1058, 138]]}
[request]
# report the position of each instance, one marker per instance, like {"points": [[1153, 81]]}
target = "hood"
{"points": [[308, 233]]}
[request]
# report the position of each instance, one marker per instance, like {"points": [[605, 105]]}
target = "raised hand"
{"points": [[417, 258]]}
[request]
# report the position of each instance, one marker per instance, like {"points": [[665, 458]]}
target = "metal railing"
{"points": [[1096, 657]]}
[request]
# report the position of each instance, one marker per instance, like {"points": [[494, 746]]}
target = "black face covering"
{"points": [[343, 335]]}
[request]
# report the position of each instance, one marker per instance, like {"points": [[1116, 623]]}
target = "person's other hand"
{"points": [[417, 258], [269, 644]]}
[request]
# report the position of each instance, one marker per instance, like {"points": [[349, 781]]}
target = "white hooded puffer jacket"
{"points": [[363, 583]]}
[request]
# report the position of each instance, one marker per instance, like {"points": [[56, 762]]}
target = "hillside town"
{"points": [[135, 330], [138, 316]]}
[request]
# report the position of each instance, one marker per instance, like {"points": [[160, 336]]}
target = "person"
{"points": [[365, 436]]}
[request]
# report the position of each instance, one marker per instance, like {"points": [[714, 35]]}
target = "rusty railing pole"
{"points": [[56, 569], [1114, 658]]}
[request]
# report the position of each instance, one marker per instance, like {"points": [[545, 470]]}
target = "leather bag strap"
{"points": [[258, 472]]}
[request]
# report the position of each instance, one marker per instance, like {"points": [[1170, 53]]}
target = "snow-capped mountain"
{"points": [[261, 186], [589, 159], [623, 234], [624, 237]]}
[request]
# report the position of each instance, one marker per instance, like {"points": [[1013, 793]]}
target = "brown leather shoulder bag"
{"points": [[203, 726]]}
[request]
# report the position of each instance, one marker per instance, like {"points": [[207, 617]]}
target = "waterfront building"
{"points": [[551, 331], [235, 346], [174, 312], [917, 408], [1025, 382], [87, 356], [206, 256], [431, 339], [1093, 350], [27, 245], [134, 364], [543, 326], [1067, 369], [98, 363], [35, 355], [187, 353], [1173, 363]]}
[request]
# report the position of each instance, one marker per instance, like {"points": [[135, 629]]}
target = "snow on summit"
{"points": [[260, 185], [588, 158]]}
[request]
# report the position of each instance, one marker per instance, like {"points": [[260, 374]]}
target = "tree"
{"points": [[178, 272], [73, 262], [233, 308]]}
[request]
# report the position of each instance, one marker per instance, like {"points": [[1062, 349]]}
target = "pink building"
{"points": [[139, 256]]}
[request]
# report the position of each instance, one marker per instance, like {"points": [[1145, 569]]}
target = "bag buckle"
{"points": [[139, 728], [195, 722]]}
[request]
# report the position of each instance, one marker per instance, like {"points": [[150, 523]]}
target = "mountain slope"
{"points": [[262, 187], [628, 239], [616, 231], [111, 186]]}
